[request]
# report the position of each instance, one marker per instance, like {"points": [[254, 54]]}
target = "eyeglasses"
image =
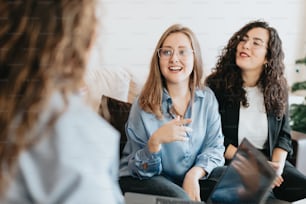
{"points": [[167, 53], [256, 43]]}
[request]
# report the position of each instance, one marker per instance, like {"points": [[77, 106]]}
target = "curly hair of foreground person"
{"points": [[44, 47]]}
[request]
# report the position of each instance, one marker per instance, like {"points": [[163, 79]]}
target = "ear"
{"points": [[266, 61]]}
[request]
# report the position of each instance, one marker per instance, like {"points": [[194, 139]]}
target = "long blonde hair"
{"points": [[150, 98], [43, 49]]}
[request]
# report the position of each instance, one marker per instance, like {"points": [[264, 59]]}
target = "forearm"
{"points": [[279, 156], [196, 172], [154, 144], [191, 182]]}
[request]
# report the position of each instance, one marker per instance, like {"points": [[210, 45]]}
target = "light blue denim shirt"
{"points": [[203, 149], [75, 162]]}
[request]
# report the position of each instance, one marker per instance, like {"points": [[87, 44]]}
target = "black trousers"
{"points": [[294, 186], [292, 189], [160, 185]]}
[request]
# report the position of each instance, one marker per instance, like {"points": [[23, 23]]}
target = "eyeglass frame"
{"points": [[173, 51], [253, 41]]}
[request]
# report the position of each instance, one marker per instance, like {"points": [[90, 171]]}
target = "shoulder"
{"points": [[136, 109], [205, 93], [82, 121], [74, 123], [78, 150], [137, 114], [206, 99], [79, 130]]}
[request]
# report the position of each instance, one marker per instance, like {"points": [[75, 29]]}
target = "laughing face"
{"points": [[176, 58], [252, 50]]}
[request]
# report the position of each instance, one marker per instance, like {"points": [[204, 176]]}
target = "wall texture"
{"points": [[130, 29]]}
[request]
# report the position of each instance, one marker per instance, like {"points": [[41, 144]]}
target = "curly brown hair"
{"points": [[226, 77], [44, 46], [150, 98]]}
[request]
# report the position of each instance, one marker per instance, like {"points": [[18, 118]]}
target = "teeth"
{"points": [[175, 68]]}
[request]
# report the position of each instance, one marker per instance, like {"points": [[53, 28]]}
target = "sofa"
{"points": [[111, 92], [116, 113], [299, 151], [116, 83]]}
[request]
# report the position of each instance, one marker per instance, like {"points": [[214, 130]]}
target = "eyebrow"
{"points": [[254, 38], [182, 46]]}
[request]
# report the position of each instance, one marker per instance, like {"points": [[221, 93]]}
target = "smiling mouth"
{"points": [[175, 68], [243, 54]]}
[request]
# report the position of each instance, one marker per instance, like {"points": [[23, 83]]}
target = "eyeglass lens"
{"points": [[169, 52]]}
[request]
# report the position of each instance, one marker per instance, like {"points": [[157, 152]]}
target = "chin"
{"points": [[242, 65]]}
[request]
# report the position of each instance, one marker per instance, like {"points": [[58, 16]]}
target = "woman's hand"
{"points": [[191, 183], [230, 152], [174, 130], [279, 170], [279, 156]]}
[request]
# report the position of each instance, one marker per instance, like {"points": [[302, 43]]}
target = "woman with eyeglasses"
{"points": [[174, 129], [54, 149], [252, 92]]}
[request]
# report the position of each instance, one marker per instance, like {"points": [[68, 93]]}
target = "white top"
{"points": [[253, 122], [75, 163]]}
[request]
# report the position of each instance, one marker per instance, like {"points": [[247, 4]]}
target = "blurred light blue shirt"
{"points": [[203, 149], [75, 162]]}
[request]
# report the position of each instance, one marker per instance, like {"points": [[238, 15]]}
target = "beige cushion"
{"points": [[113, 82]]}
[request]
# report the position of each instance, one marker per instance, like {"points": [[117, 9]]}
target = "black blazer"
{"points": [[278, 128]]}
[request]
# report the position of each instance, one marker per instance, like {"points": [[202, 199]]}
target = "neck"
{"points": [[250, 79], [178, 91], [180, 98]]}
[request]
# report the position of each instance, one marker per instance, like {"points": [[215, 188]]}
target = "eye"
{"points": [[166, 52], [244, 39], [257, 42], [183, 52]]}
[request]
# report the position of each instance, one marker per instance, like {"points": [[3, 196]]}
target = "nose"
{"points": [[247, 44], [174, 57]]}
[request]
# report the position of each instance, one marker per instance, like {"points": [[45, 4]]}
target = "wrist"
{"points": [[278, 166], [196, 172], [153, 145]]}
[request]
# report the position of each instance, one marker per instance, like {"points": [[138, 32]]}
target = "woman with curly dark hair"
{"points": [[252, 92], [53, 148]]}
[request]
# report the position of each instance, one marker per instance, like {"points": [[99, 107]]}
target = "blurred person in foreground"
{"points": [[54, 149]]}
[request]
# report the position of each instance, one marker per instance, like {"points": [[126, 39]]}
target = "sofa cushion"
{"points": [[113, 82], [116, 112]]}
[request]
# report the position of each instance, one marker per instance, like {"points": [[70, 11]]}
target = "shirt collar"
{"points": [[199, 93]]}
